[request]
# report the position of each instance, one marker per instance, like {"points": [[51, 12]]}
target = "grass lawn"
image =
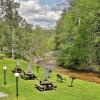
{"points": [[82, 90]]}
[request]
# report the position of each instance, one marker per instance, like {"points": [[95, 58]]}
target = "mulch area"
{"points": [[88, 76]]}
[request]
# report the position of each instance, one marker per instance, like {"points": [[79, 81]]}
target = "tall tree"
{"points": [[12, 17]]}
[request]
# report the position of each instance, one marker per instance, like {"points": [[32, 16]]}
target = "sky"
{"points": [[40, 12], [49, 2]]}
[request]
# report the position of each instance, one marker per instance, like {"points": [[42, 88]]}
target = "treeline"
{"points": [[78, 36], [17, 36]]}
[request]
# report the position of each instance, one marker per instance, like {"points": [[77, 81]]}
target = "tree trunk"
{"points": [[1, 50], [13, 53]]}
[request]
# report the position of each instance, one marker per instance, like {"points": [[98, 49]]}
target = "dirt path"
{"points": [[93, 77]]}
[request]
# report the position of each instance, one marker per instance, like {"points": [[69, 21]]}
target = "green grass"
{"points": [[82, 90]]}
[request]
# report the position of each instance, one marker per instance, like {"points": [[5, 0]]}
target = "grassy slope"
{"points": [[82, 90]]}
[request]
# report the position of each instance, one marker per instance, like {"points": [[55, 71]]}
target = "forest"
{"points": [[78, 36], [75, 39], [18, 37]]}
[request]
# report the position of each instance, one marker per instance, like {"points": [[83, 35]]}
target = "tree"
{"points": [[75, 37], [12, 17], [43, 41]]}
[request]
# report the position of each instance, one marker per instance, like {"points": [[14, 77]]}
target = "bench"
{"points": [[60, 78]]}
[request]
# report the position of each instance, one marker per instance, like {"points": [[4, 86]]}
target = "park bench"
{"points": [[60, 78]]}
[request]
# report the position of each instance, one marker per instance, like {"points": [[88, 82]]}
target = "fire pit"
{"points": [[28, 75], [45, 85], [17, 69]]}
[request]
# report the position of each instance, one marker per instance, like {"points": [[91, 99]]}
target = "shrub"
{"points": [[2, 56]]}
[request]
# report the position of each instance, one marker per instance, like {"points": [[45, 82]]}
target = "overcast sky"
{"points": [[39, 12]]}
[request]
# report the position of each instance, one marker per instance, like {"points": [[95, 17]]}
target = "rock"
{"points": [[2, 95]]}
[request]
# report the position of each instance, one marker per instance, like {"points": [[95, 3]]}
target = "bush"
{"points": [[2, 56]]}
